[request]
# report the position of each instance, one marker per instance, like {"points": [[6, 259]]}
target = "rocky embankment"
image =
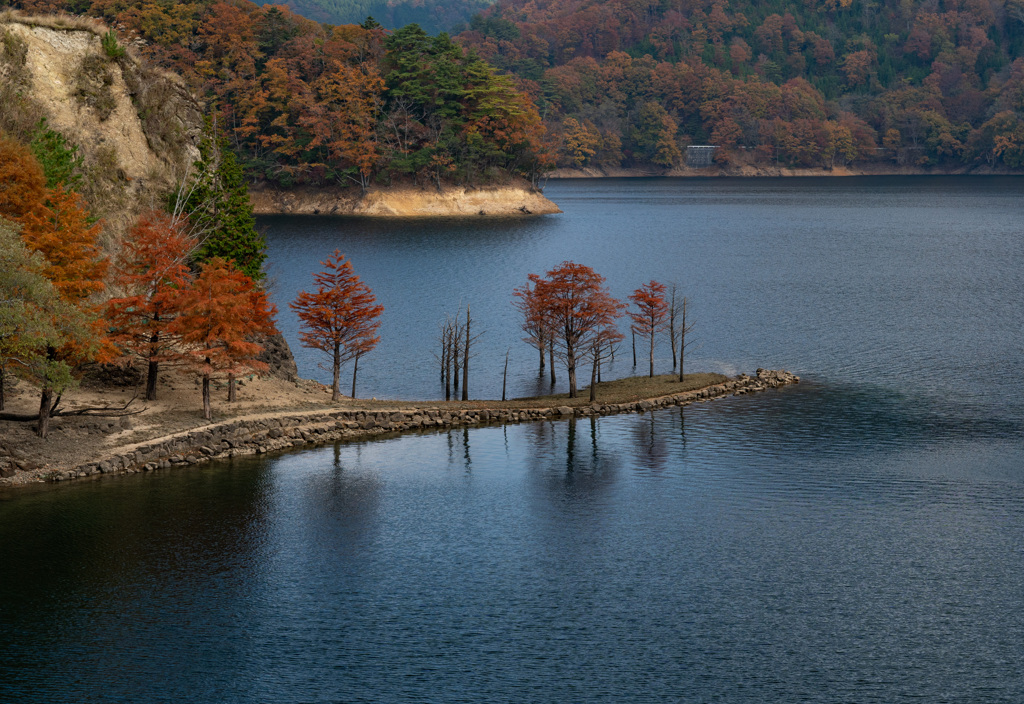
{"points": [[515, 199], [249, 436]]}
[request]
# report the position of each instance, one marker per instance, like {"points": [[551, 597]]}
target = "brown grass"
{"points": [[628, 390], [56, 21]]}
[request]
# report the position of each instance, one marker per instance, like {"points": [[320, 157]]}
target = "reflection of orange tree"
{"points": [[341, 318], [219, 316]]}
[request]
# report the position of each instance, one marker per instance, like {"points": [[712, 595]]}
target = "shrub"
{"points": [[110, 45], [93, 84]]}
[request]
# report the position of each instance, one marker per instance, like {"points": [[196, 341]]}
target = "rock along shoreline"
{"points": [[241, 436]]}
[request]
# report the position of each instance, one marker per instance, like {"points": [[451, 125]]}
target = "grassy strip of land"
{"points": [[628, 390]]}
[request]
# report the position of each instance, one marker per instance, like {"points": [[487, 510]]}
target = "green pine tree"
{"points": [[61, 162], [218, 205]]}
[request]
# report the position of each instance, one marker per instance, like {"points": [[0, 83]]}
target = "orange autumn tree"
{"points": [[535, 324], [153, 274], [651, 315], [341, 318], [60, 231], [219, 317], [22, 183], [580, 310]]}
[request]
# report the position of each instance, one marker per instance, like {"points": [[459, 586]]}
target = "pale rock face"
{"points": [[54, 58], [140, 167], [405, 201]]}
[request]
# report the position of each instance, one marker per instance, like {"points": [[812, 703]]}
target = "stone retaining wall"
{"points": [[259, 436]]}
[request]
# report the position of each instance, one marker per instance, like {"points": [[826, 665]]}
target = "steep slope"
{"points": [[136, 128]]}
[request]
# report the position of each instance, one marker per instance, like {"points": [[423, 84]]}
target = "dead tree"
{"points": [[467, 346], [465, 360], [448, 361], [674, 310], [603, 348], [684, 329], [504, 375]]}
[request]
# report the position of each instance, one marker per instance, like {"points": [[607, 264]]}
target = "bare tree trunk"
{"points": [[633, 334], [447, 370], [154, 366], [540, 348], [465, 361], [355, 369], [683, 329], [446, 362], [232, 393], [45, 407], [504, 376], [672, 310], [336, 373], [455, 369], [570, 364], [551, 359], [651, 375], [207, 411], [151, 377], [682, 345], [593, 375]]}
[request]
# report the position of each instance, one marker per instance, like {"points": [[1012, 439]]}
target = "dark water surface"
{"points": [[858, 538]]}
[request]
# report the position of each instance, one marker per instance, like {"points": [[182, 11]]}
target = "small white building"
{"points": [[698, 156]]}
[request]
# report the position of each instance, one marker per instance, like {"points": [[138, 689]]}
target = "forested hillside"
{"points": [[307, 103], [812, 83], [435, 16]]}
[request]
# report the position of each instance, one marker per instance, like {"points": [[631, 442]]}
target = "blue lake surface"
{"points": [[856, 538]]}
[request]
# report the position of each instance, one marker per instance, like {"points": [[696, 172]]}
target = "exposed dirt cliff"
{"points": [[136, 127]]}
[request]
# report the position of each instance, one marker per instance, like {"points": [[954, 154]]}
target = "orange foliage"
{"points": [[219, 317], [651, 315], [341, 318], [61, 232], [579, 311], [22, 184], [153, 274]]}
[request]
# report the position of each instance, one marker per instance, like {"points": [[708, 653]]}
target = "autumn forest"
{"points": [[523, 86]]}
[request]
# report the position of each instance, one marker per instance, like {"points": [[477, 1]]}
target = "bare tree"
{"points": [[465, 360], [448, 360], [603, 348], [684, 329], [504, 376], [456, 351], [674, 310]]}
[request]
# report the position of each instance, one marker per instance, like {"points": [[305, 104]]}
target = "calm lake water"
{"points": [[857, 538]]}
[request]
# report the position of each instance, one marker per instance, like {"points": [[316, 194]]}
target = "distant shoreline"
{"points": [[762, 171]]}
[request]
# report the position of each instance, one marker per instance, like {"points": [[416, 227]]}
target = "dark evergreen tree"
{"points": [[219, 207], [61, 162]]}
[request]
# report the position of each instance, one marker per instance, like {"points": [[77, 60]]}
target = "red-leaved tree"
{"points": [[580, 311], [153, 274], [340, 318], [651, 315], [220, 317], [530, 303]]}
